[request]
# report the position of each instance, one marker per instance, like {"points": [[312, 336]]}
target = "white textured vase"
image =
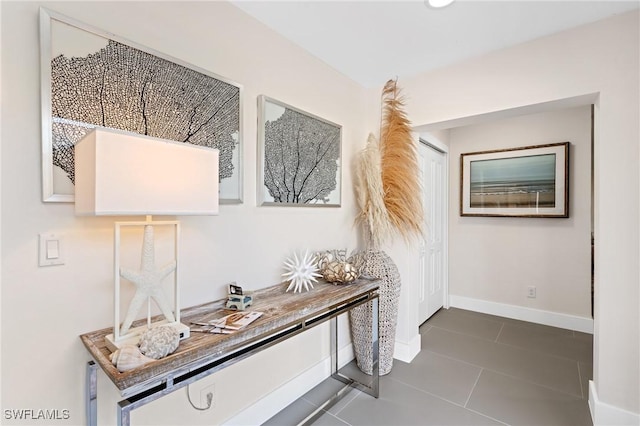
{"points": [[379, 265]]}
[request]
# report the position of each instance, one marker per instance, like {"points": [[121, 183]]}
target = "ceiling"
{"points": [[372, 41]]}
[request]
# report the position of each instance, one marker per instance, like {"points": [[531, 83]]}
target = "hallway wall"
{"points": [[497, 258]]}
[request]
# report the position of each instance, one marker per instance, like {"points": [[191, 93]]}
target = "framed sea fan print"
{"points": [[530, 181], [299, 159], [91, 78]]}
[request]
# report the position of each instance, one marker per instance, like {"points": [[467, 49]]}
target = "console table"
{"points": [[284, 315]]}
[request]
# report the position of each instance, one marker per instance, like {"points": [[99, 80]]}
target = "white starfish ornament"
{"points": [[147, 281], [301, 272]]}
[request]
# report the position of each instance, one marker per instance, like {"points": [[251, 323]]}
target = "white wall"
{"points": [[45, 309], [496, 259], [593, 63]]}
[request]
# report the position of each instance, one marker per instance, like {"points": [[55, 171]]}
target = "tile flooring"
{"points": [[473, 369]]}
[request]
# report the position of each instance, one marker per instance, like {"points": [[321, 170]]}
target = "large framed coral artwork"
{"points": [[299, 159], [91, 78]]}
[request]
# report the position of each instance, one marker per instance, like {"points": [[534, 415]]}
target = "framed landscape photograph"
{"points": [[530, 181], [299, 157], [91, 78]]}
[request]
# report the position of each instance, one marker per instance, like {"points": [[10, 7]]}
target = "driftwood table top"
{"points": [[281, 310]]}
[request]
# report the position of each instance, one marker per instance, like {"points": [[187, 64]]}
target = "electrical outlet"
{"points": [[531, 292], [208, 396]]}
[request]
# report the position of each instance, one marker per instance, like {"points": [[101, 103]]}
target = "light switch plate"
{"points": [[51, 250]]}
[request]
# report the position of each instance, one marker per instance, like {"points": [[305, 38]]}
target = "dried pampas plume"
{"points": [[400, 173], [368, 180], [387, 176]]}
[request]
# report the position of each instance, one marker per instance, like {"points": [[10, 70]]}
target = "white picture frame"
{"points": [[299, 157], [159, 96]]}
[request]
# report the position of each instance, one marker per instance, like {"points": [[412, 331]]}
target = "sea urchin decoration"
{"points": [[301, 272]]}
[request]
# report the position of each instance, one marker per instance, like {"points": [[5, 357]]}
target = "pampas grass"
{"points": [[399, 166], [387, 176], [370, 193]]}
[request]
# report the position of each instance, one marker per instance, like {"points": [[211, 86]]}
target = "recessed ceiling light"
{"points": [[438, 3]]}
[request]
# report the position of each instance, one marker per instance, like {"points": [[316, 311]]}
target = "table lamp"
{"points": [[119, 173]]}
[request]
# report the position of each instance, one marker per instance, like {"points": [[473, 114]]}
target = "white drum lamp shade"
{"points": [[128, 174]]}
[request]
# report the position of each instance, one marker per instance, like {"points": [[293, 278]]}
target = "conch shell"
{"points": [[128, 357]]}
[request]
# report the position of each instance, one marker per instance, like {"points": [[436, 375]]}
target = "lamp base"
{"points": [[133, 336]]}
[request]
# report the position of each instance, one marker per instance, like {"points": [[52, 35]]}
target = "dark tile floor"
{"points": [[473, 369]]}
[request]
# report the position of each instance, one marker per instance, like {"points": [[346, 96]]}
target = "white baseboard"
{"points": [[554, 319], [603, 414], [274, 402], [407, 351]]}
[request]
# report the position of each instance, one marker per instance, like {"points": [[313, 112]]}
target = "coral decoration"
{"points": [[158, 342]]}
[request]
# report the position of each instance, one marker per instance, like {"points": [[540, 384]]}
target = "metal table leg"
{"points": [[91, 393], [124, 413], [349, 382], [373, 387], [375, 371], [334, 345]]}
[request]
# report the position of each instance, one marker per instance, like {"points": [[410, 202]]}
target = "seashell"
{"points": [[128, 357], [159, 342]]}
